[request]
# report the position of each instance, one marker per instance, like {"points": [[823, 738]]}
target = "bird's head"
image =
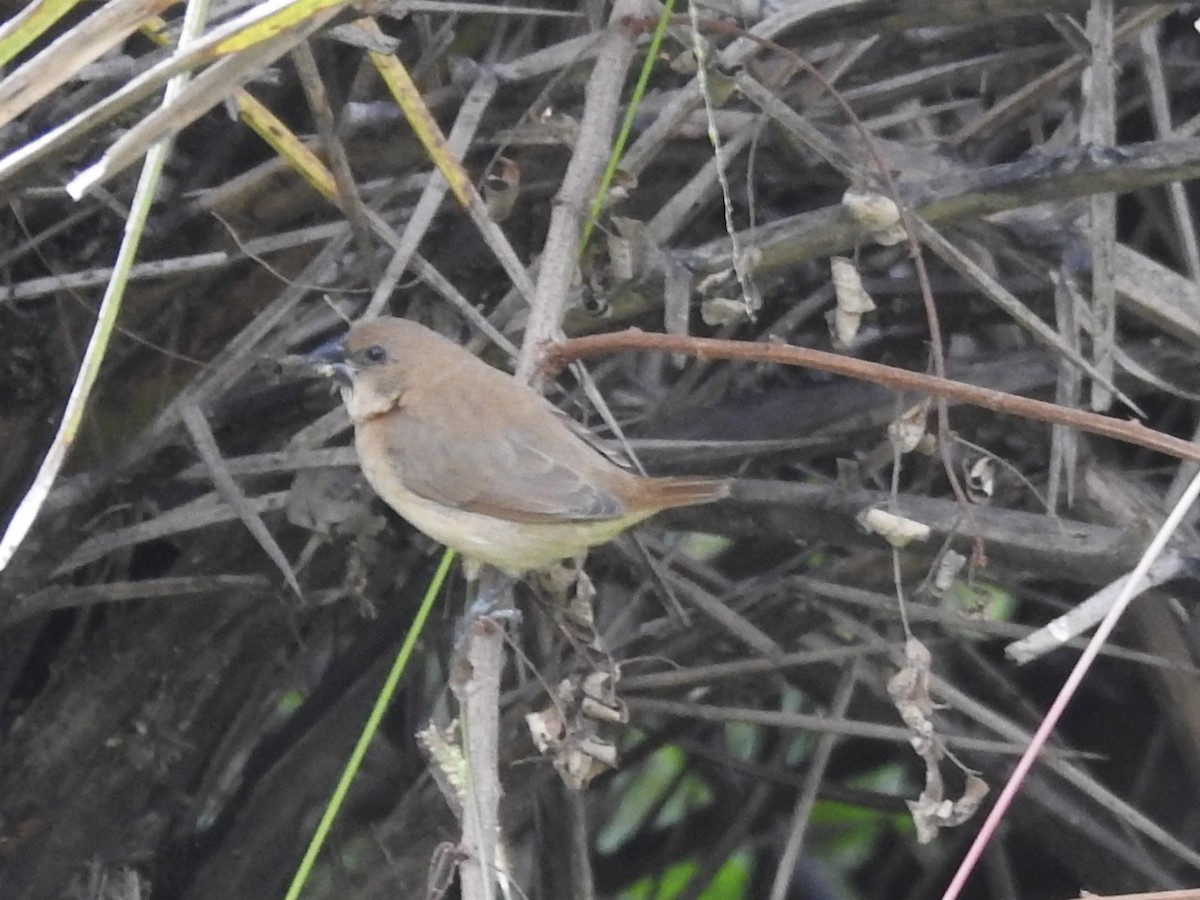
{"points": [[378, 361]]}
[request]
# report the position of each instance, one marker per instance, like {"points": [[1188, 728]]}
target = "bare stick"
{"points": [[897, 379]]}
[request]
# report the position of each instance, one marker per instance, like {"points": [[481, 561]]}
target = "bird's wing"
{"points": [[498, 470]]}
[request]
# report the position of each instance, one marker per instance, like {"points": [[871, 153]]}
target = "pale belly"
{"points": [[514, 547]]}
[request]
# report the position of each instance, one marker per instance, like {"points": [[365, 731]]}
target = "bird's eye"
{"points": [[374, 354]]}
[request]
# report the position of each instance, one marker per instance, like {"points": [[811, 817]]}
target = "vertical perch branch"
{"points": [[476, 686], [479, 690]]}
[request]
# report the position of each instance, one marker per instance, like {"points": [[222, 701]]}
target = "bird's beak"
{"points": [[330, 360]]}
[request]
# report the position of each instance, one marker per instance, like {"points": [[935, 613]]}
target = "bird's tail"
{"points": [[667, 493]]}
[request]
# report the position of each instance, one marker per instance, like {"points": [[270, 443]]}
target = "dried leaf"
{"points": [[853, 301], [981, 479], [501, 188], [949, 566], [907, 431], [896, 530], [877, 213], [719, 311]]}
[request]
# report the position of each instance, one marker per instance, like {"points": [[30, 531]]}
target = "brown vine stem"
{"points": [[568, 351]]}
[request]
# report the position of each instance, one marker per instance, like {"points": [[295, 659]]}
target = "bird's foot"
{"points": [[492, 605]]}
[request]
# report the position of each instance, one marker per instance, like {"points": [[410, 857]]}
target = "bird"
{"points": [[480, 461]]}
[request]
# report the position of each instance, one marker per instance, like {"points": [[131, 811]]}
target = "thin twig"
{"points": [[897, 379]]}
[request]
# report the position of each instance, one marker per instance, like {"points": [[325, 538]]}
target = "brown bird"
{"points": [[480, 461]]}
